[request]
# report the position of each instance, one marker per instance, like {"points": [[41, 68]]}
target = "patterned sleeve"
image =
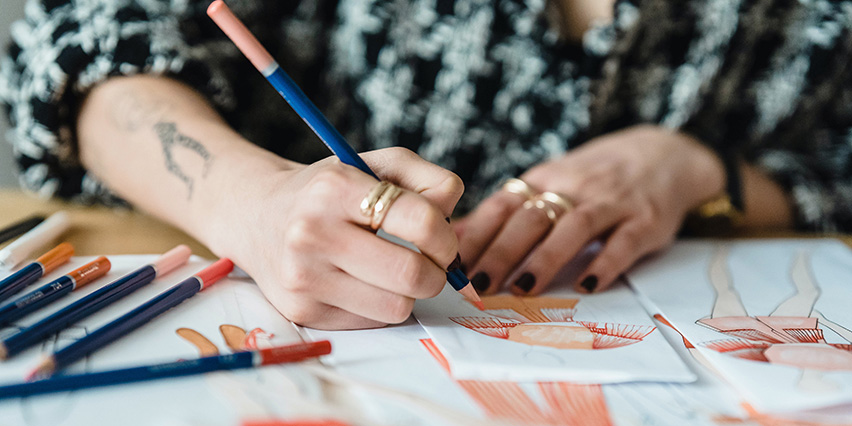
{"points": [[62, 49]]}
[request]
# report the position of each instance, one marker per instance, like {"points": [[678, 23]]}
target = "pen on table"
{"points": [[134, 319], [54, 290], [94, 302], [270, 356], [19, 228], [42, 234], [34, 271], [290, 91]]}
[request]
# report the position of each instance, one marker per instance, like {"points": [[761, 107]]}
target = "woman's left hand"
{"points": [[631, 189]]}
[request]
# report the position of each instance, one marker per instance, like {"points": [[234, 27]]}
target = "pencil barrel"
{"points": [[17, 281]]}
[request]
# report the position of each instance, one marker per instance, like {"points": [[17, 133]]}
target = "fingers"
{"points": [[364, 300], [623, 248], [309, 313], [408, 170], [524, 229], [387, 265], [484, 223], [573, 231]]}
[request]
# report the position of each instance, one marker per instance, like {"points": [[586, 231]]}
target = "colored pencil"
{"points": [[271, 356], [94, 302], [18, 250], [52, 291], [19, 228], [135, 318], [34, 271], [290, 91]]}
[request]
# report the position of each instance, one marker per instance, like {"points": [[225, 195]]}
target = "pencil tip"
{"points": [[43, 370], [470, 293]]}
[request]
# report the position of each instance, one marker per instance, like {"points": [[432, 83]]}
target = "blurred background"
{"points": [[10, 11]]}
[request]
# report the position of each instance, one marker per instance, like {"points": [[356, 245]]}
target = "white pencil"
{"points": [[43, 234]]}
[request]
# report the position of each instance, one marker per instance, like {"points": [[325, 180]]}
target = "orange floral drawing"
{"points": [[547, 321], [566, 404]]}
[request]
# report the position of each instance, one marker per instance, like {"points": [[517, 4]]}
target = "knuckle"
{"points": [[398, 151], [452, 185], [300, 314], [410, 270], [297, 280], [586, 218], [398, 309], [329, 181], [301, 234], [630, 240]]}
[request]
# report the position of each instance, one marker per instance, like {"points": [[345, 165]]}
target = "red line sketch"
{"points": [[790, 335], [566, 404], [548, 321]]}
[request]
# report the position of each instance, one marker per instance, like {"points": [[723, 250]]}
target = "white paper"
{"points": [[560, 336], [221, 398], [772, 316]]}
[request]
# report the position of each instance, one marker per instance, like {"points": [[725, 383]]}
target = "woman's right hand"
{"points": [[301, 235]]}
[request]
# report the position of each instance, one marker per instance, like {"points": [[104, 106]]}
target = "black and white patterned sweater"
{"points": [[482, 87]]}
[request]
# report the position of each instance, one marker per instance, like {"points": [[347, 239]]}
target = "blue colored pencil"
{"points": [[135, 318], [290, 91], [271, 356], [53, 290], [94, 302], [32, 272]]}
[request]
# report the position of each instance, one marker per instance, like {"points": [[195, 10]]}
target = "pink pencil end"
{"points": [[218, 270], [222, 15], [172, 259]]}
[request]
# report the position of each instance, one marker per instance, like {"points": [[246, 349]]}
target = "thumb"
{"points": [[403, 167]]}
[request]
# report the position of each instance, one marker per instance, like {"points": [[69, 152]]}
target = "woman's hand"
{"points": [[630, 189], [301, 235]]}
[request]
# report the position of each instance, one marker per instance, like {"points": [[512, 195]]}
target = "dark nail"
{"points": [[456, 263], [463, 268], [448, 220], [590, 283], [481, 281], [525, 282]]}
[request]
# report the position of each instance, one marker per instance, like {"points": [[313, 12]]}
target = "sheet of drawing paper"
{"points": [[562, 335], [222, 398], [773, 317], [397, 358]]}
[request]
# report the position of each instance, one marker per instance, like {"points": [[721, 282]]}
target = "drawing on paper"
{"points": [[547, 321], [790, 335], [566, 404]]}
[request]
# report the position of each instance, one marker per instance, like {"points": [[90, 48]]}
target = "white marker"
{"points": [[41, 235]]}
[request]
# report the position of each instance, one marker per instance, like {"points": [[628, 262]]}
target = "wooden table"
{"points": [[98, 230]]}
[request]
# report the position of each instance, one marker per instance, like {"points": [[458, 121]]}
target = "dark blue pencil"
{"points": [[94, 302], [290, 91], [32, 272], [135, 318], [19, 228], [54, 290], [271, 356]]}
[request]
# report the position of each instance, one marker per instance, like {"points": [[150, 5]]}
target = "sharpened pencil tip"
{"points": [[43, 370], [470, 293]]}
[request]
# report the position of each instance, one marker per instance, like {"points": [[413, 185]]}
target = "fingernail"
{"points": [[456, 263], [463, 268], [590, 283], [447, 219], [481, 281], [525, 282]]}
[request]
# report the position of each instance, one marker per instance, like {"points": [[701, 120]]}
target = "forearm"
{"points": [[159, 145], [767, 205]]}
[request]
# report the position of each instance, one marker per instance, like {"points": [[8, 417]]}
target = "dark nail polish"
{"points": [[590, 283], [526, 282], [456, 263], [447, 219], [481, 281], [463, 268]]}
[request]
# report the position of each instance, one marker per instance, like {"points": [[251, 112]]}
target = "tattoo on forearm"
{"points": [[134, 110], [170, 138]]}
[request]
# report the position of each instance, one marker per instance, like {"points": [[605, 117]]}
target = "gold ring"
{"points": [[543, 206], [557, 200], [519, 187], [391, 193], [372, 197]]}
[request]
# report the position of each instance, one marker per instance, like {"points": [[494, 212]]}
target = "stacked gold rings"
{"points": [[552, 204], [377, 202]]}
